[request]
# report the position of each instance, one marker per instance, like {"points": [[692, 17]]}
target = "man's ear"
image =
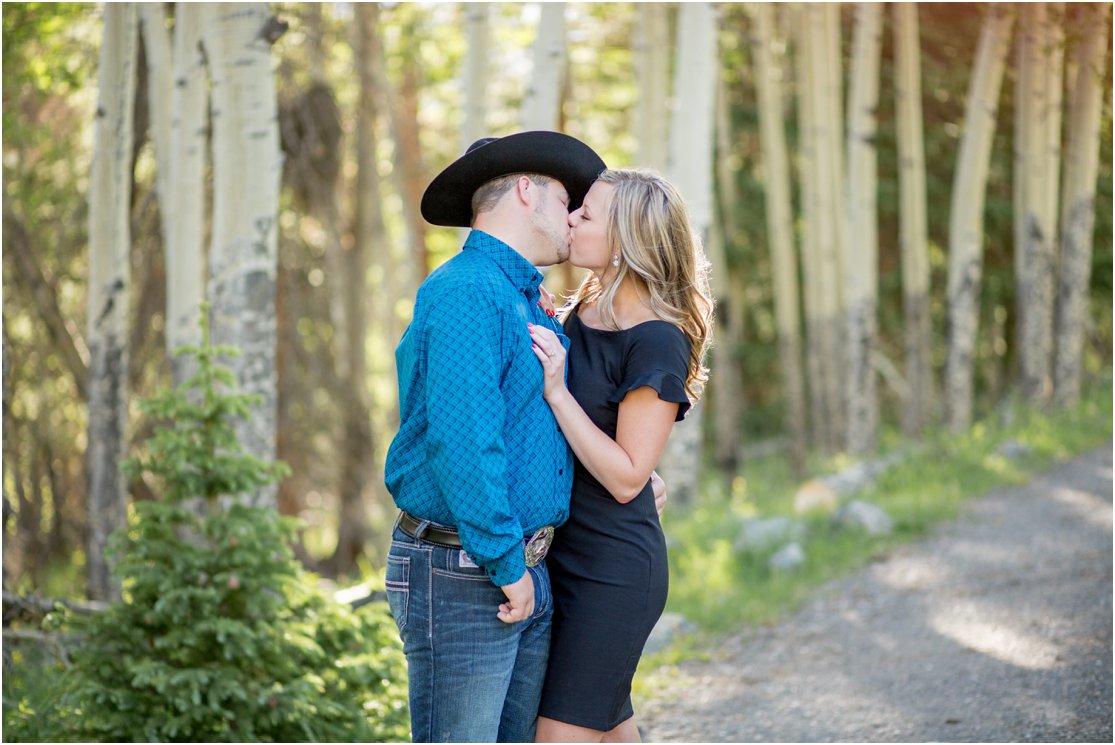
{"points": [[526, 190]]}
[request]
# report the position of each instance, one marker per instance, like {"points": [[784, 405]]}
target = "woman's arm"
{"points": [[623, 465]]}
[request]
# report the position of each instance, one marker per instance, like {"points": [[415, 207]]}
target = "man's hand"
{"points": [[520, 600], [658, 486]]}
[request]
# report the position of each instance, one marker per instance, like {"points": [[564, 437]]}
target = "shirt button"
{"points": [[561, 471]]}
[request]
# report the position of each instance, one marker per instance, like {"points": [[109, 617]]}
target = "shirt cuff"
{"points": [[508, 568]]}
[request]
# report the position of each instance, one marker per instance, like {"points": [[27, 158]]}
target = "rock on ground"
{"points": [[995, 628]]}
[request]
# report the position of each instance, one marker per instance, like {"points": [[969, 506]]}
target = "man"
{"points": [[479, 468]]}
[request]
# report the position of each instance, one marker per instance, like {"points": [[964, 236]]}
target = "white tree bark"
{"points": [[779, 214], [477, 53], [810, 186], [1034, 258], [861, 252], [185, 250], [690, 169], [1079, 196], [156, 45], [649, 116], [110, 186], [966, 215], [542, 103], [913, 226], [247, 168], [826, 126]]}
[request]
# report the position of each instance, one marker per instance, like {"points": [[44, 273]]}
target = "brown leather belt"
{"points": [[535, 547], [436, 534]]}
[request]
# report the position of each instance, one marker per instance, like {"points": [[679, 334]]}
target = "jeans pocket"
{"points": [[543, 597], [398, 588]]}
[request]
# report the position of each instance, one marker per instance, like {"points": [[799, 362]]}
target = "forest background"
{"points": [[370, 101]]}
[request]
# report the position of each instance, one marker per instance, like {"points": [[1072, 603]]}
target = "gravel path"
{"points": [[995, 628]]}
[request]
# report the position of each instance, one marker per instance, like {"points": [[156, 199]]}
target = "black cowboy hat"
{"points": [[448, 198]]}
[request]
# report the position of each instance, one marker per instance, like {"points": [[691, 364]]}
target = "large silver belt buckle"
{"points": [[538, 545]]}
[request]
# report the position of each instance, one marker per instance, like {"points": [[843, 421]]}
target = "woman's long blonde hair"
{"points": [[648, 226]]}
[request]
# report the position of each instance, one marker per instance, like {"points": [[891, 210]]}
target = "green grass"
{"points": [[719, 588]]}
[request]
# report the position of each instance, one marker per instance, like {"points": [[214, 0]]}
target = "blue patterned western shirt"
{"points": [[478, 447]]}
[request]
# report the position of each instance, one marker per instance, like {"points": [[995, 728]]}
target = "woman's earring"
{"points": [[615, 261]]}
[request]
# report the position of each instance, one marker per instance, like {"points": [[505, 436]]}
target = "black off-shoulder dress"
{"points": [[608, 561]]}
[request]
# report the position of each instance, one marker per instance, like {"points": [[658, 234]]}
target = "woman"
{"points": [[638, 327]]}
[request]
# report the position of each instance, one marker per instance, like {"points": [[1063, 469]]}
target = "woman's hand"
{"points": [[549, 351], [658, 486], [546, 301]]}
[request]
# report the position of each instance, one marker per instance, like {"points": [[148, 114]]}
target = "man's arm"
{"points": [[465, 447]]}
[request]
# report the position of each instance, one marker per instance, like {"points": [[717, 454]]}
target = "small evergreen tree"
{"points": [[221, 635]]}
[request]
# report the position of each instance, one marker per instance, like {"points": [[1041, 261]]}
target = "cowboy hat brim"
{"points": [[448, 199]]}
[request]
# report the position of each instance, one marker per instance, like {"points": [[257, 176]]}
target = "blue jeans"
{"points": [[473, 678]]}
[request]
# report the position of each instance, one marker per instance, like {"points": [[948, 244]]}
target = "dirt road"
{"points": [[997, 627]]}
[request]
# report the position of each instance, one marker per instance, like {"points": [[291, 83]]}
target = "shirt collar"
{"points": [[521, 272]]}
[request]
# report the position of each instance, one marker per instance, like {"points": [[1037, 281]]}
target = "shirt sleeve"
{"points": [[465, 448], [657, 357]]}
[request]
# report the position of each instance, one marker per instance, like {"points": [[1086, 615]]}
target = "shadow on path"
{"points": [[995, 628]]}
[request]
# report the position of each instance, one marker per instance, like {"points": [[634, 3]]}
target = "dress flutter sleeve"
{"points": [[657, 357]]}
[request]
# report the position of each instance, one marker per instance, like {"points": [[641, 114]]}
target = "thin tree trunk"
{"points": [[189, 143], [966, 215], [691, 169], [809, 179], [1079, 195], [727, 391], [109, 290], [409, 155], [542, 101], [861, 257], [913, 226], [247, 166], [64, 335], [779, 214], [826, 128], [370, 251], [651, 39], [156, 45], [1034, 262], [477, 54], [408, 262]]}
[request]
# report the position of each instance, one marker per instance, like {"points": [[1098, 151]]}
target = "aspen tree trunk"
{"points": [[542, 101], [156, 45], [412, 181], [477, 34], [1034, 258], [322, 157], [691, 170], [727, 392], [826, 128], [809, 179], [407, 266], [371, 241], [861, 257], [779, 214], [966, 214], [185, 251], [1079, 194], [109, 293], [247, 168], [649, 117], [1054, 86], [474, 83], [913, 226]]}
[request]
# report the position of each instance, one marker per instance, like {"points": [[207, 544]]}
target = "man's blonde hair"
{"points": [[648, 225]]}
